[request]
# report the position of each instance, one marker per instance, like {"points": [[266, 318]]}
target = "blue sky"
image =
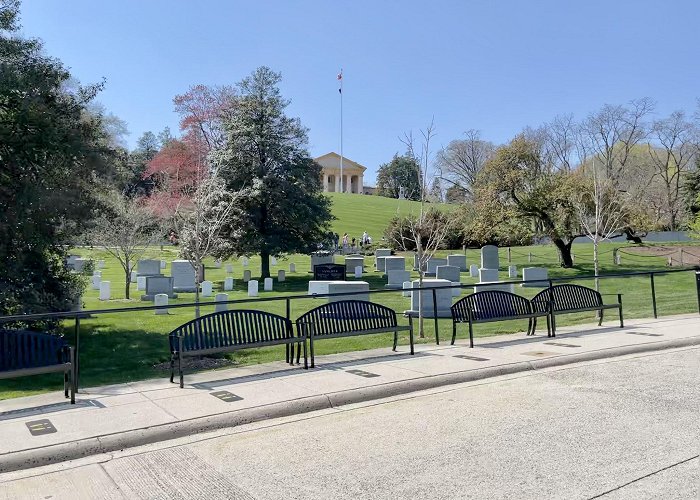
{"points": [[495, 66]]}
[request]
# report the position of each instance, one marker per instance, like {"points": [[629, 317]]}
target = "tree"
{"points": [[436, 195], [279, 206], [456, 195], [203, 110], [461, 160], [517, 182], [671, 161], [126, 229], [400, 176], [52, 165]]}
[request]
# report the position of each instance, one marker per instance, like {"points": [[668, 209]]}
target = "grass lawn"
{"points": [[126, 347]]}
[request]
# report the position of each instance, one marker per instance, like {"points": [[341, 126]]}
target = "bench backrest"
{"points": [[490, 304], [231, 328], [567, 297], [20, 349], [347, 316]]}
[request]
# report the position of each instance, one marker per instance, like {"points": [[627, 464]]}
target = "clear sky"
{"points": [[495, 66]]}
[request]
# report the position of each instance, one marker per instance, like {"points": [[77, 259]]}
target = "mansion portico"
{"points": [[353, 174]]}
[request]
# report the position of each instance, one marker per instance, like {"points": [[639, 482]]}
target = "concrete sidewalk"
{"points": [[126, 415]]}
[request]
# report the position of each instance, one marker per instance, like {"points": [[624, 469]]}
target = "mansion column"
{"points": [[360, 185], [337, 183], [325, 182]]}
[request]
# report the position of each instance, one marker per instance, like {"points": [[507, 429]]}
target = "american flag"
{"points": [[340, 79]]}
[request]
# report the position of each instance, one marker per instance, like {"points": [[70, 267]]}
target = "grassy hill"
{"points": [[357, 213]]}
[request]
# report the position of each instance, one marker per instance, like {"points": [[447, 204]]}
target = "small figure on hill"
{"points": [[365, 236], [353, 243], [345, 240]]}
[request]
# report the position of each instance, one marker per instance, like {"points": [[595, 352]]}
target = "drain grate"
{"points": [[470, 358], [560, 344], [225, 396], [362, 373], [645, 334], [41, 427]]}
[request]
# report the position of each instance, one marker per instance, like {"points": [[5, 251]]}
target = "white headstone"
{"points": [[380, 262], [281, 276], [531, 275], [318, 287], [407, 285], [474, 271], [348, 286], [267, 285], [133, 276], [244, 260], [217, 264], [253, 288], [358, 271], [228, 284], [229, 268], [486, 286], [352, 262], [458, 260], [273, 261], [396, 278], [161, 299], [221, 297], [246, 276], [381, 252], [394, 263], [100, 264], [96, 279], [489, 257], [163, 264], [512, 272], [449, 273], [292, 267], [105, 293], [443, 298], [141, 283], [433, 263], [488, 275], [207, 288], [183, 276]]}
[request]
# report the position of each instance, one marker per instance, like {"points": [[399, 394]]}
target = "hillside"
{"points": [[357, 213]]}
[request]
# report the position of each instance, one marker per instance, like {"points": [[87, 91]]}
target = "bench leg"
{"points": [[554, 325], [311, 348], [396, 340], [73, 377], [549, 327], [179, 369], [454, 332], [619, 301], [601, 318], [172, 367], [410, 334], [306, 363], [286, 355], [530, 330], [471, 335], [65, 383]]}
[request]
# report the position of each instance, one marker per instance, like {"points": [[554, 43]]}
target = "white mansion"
{"points": [[353, 174]]}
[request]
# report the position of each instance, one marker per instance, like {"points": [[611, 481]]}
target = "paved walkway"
{"points": [[119, 416]]}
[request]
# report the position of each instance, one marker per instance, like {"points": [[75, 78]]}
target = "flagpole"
{"points": [[342, 187]]}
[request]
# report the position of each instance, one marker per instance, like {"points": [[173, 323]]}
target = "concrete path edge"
{"points": [[108, 443]]}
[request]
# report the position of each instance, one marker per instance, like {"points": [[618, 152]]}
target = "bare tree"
{"points": [[426, 232], [461, 160], [125, 230], [672, 158], [560, 142]]}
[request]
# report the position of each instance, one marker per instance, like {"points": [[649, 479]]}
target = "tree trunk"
{"points": [[264, 264], [564, 252], [596, 269], [128, 284]]}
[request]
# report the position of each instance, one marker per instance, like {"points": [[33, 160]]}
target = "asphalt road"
{"points": [[620, 428]]}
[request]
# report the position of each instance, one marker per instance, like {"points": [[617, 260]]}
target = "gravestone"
{"points": [[253, 288], [105, 293], [396, 278], [273, 261], [483, 286], [163, 264], [474, 271], [229, 268], [380, 263], [432, 264], [415, 262], [148, 267], [348, 286], [489, 257], [395, 263], [443, 298], [244, 260], [96, 279], [141, 283], [228, 284], [70, 261], [246, 276], [407, 285], [458, 260], [156, 285], [100, 264], [207, 288], [221, 297], [512, 272], [329, 272], [217, 264], [281, 276], [531, 275], [161, 299], [488, 275], [318, 287], [318, 259], [183, 276], [352, 262], [292, 267], [79, 264], [358, 271], [450, 273], [267, 284], [381, 252], [133, 276]]}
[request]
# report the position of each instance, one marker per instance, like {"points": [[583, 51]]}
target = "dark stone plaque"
{"points": [[329, 272]]}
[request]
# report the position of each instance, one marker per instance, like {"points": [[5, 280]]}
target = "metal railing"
{"points": [[82, 314]]}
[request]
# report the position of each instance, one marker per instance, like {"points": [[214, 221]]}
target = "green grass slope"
{"points": [[356, 213]]}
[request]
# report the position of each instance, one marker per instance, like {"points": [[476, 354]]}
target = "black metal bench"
{"points": [[348, 318], [494, 305], [569, 298], [24, 353], [229, 331]]}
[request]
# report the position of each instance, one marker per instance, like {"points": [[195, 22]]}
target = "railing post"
{"points": [[509, 260], [435, 316], [653, 294], [551, 308], [77, 353], [289, 348], [697, 285]]}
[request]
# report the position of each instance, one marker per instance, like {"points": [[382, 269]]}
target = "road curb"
{"points": [[108, 443]]}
